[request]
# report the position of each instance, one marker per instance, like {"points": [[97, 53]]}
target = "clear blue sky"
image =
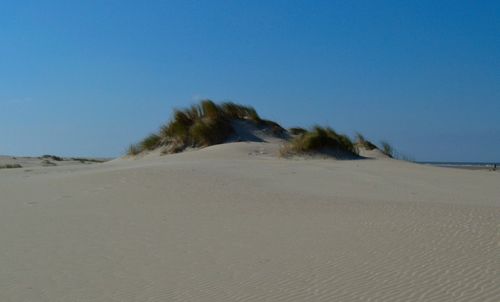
{"points": [[90, 77]]}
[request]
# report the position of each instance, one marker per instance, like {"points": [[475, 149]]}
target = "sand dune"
{"points": [[233, 222]]}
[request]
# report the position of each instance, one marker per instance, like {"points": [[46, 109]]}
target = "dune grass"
{"points": [[387, 148], [319, 140], [236, 111], [198, 126], [274, 127], [10, 166], [134, 149], [151, 142], [297, 130], [361, 141], [201, 125], [392, 152], [89, 160], [208, 123], [52, 157]]}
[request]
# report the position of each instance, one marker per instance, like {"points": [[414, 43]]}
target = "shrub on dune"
{"points": [[178, 127], [387, 148], [297, 131], [322, 140], [207, 132], [10, 166], [275, 128], [134, 149], [201, 125], [52, 157], [235, 111], [208, 109], [151, 142], [390, 151], [362, 142]]}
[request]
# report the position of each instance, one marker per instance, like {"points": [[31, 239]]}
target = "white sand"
{"points": [[233, 223]]}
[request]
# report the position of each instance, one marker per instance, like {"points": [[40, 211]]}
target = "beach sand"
{"points": [[234, 222]]}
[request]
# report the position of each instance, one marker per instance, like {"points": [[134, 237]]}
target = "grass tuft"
{"points": [[134, 149], [52, 157], [210, 110], [320, 139], [201, 125], [207, 132], [274, 127], [297, 131], [236, 111], [151, 142], [362, 142], [387, 148], [10, 166], [89, 160]]}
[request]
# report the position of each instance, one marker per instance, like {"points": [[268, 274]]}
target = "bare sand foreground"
{"points": [[234, 223]]}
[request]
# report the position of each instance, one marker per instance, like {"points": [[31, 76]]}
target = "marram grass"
{"points": [[208, 123], [201, 125], [319, 140]]}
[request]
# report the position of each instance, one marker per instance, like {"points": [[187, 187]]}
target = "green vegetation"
{"points": [[362, 142], [133, 149], [151, 142], [387, 148], [297, 131], [10, 166], [88, 160], [274, 127], [320, 139], [51, 157], [236, 111], [208, 123], [393, 153], [201, 125]]}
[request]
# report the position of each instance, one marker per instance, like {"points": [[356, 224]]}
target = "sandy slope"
{"points": [[233, 223]]}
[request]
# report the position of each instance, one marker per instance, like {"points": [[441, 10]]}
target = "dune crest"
{"points": [[207, 124]]}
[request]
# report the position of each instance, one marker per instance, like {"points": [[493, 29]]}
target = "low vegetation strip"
{"points": [[10, 166], [208, 123], [319, 140]]}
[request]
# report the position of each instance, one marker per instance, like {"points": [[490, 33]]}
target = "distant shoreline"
{"points": [[464, 165]]}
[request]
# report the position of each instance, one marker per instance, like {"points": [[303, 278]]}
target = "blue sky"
{"points": [[90, 77]]}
